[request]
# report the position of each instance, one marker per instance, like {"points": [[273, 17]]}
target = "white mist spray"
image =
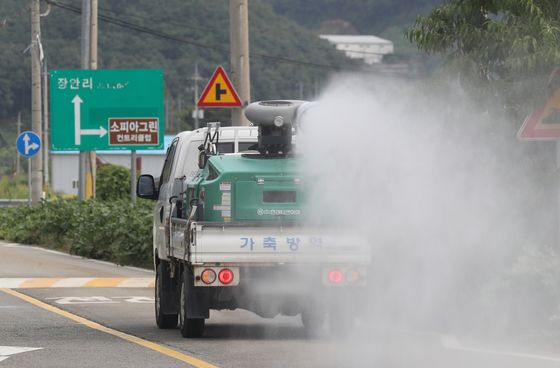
{"points": [[445, 192]]}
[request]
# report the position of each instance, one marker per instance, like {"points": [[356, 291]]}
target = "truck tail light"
{"points": [[216, 276], [343, 275], [335, 276], [208, 276], [225, 276]]}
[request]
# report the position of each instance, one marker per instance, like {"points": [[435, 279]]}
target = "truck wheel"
{"points": [[189, 327], [163, 321]]}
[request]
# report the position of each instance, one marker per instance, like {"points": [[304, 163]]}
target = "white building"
{"points": [[65, 165], [370, 49]]}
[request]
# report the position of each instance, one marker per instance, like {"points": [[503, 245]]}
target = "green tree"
{"points": [[507, 47]]}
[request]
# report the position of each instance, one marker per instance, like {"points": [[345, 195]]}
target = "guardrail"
{"points": [[12, 202]]}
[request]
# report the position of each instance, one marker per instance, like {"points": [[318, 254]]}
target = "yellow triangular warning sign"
{"points": [[219, 92]]}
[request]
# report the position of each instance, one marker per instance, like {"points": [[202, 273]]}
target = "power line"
{"points": [[151, 19], [167, 36], [135, 27]]}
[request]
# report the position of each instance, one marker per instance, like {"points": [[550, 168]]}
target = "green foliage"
{"points": [[46, 223], [362, 16], [112, 182], [13, 187], [507, 47], [117, 231], [385, 18]]}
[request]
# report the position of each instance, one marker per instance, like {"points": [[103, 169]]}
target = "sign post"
{"points": [[28, 145], [133, 175], [543, 124]]}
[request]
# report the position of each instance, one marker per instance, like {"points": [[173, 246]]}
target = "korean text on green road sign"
{"points": [[106, 109]]}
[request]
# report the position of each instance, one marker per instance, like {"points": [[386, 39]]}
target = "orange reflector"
{"points": [[208, 276], [335, 276], [225, 276], [353, 276]]}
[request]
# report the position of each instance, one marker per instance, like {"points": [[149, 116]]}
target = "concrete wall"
{"points": [[64, 168]]}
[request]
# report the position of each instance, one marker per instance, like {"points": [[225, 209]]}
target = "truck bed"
{"points": [[262, 243]]}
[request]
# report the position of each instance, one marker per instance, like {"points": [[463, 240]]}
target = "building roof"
{"points": [[356, 39]]}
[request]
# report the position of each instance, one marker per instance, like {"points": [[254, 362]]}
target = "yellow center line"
{"points": [[96, 326]]}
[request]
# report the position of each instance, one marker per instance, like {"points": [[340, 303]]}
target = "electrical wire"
{"points": [[170, 37], [151, 19]]}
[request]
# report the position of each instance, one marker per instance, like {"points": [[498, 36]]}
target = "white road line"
{"points": [[452, 343], [72, 282], [11, 283], [6, 351], [11, 350], [135, 282]]}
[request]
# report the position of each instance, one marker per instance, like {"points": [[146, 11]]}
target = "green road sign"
{"points": [[106, 109]]}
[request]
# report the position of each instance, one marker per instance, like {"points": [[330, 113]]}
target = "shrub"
{"points": [[118, 231], [113, 182]]}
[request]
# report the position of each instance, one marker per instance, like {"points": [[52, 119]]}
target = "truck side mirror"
{"points": [[146, 188]]}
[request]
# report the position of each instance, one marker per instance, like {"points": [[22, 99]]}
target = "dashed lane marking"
{"points": [[195, 362], [77, 282]]}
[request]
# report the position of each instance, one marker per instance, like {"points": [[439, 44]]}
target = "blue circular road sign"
{"points": [[28, 143]]}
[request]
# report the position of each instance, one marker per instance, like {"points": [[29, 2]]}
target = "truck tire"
{"points": [[163, 321], [189, 327]]}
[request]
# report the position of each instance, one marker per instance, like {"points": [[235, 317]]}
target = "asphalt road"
{"points": [[114, 327]]}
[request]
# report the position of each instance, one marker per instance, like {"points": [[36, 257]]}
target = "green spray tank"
{"points": [[259, 186]]}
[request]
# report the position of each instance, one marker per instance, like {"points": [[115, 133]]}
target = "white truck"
{"points": [[229, 230]]}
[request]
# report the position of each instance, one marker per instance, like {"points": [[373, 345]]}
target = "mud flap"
{"points": [[198, 300], [171, 292]]}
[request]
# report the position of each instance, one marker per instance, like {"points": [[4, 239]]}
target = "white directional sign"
{"points": [[78, 131], [6, 351], [28, 143]]}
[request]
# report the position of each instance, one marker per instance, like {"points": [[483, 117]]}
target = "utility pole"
{"points": [[18, 133], [239, 49], [196, 78], [36, 122], [93, 65], [46, 131], [85, 50]]}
